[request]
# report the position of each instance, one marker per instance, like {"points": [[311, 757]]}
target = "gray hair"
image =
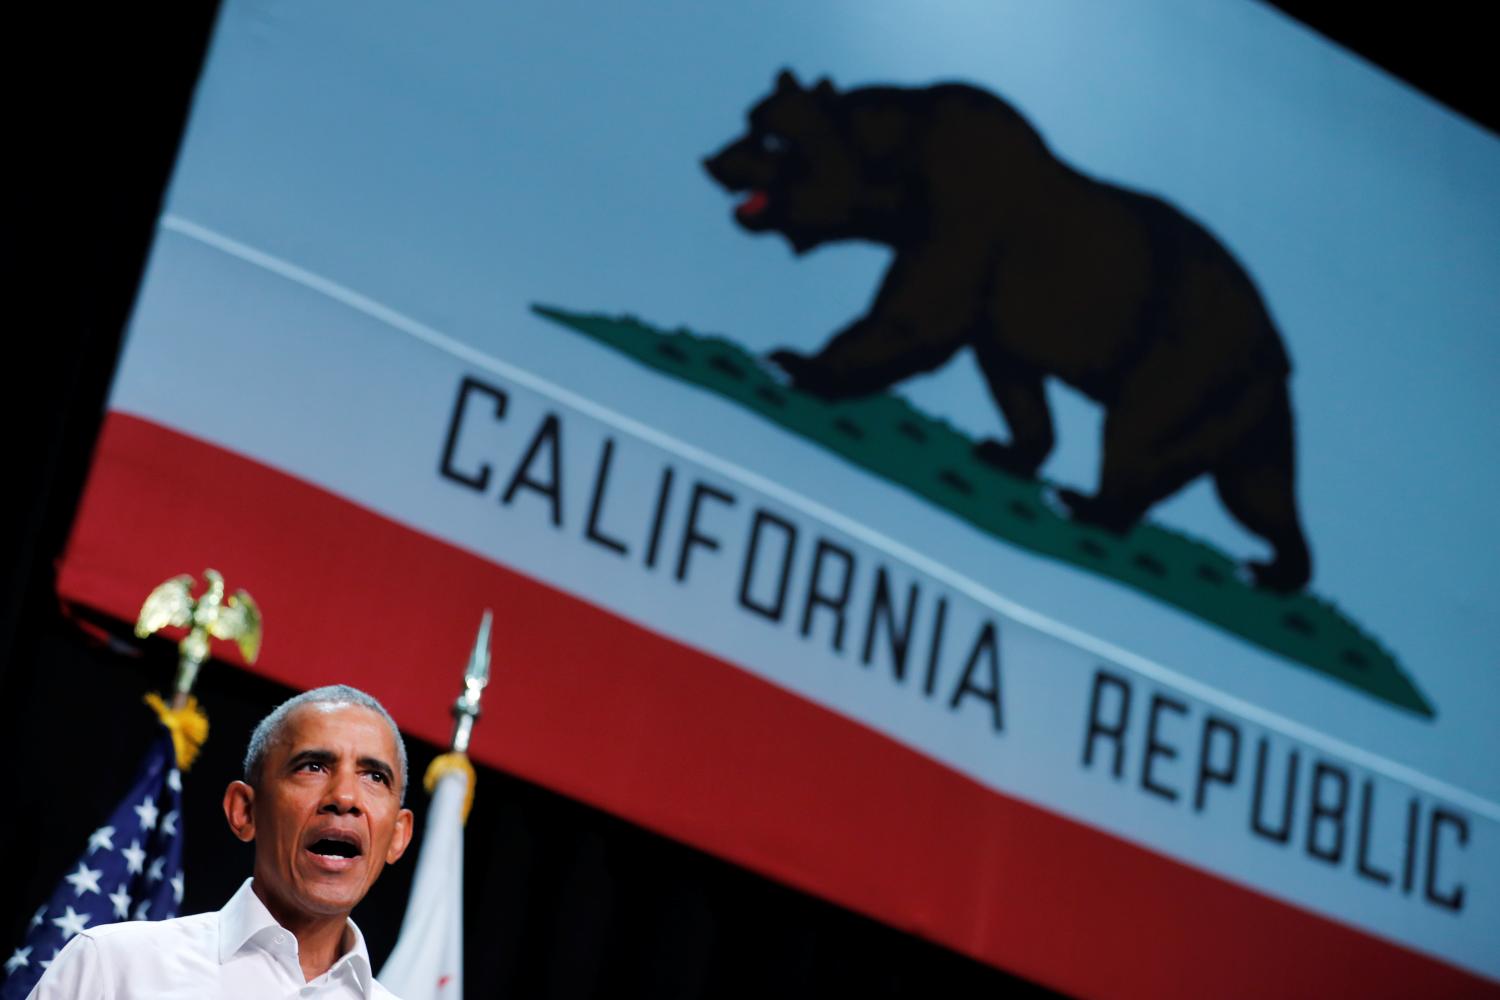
{"points": [[269, 728]]}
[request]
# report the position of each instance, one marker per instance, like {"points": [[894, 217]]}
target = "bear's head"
{"points": [[796, 167]]}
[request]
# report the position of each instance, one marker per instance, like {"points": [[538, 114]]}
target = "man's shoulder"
{"points": [[137, 958], [129, 934]]}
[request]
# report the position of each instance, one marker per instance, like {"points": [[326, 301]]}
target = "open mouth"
{"points": [[335, 850], [754, 204]]}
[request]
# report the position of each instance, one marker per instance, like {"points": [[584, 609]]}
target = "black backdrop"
{"points": [[561, 899]]}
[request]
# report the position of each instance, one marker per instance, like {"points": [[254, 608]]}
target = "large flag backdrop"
{"points": [[444, 311]]}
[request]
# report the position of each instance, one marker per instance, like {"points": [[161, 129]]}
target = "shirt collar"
{"points": [[358, 958], [245, 918]]}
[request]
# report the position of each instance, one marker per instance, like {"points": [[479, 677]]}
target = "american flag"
{"points": [[130, 870]]}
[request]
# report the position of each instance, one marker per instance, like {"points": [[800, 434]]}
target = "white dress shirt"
{"points": [[237, 952]]}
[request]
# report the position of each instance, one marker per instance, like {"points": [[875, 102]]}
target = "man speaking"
{"points": [[324, 783]]}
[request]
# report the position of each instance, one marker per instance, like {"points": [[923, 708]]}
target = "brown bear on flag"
{"points": [[1042, 271]]}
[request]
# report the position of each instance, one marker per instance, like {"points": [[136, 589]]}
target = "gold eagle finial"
{"points": [[172, 604]]}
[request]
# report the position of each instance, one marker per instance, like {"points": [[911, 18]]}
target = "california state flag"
{"points": [[428, 959]]}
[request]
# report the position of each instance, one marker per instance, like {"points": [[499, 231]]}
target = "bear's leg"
{"points": [[922, 314], [1256, 484], [1125, 494], [1150, 452], [1022, 398]]}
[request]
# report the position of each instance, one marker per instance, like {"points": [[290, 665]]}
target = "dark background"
{"points": [[561, 899]]}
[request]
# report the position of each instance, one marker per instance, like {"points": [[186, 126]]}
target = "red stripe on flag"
{"points": [[686, 744]]}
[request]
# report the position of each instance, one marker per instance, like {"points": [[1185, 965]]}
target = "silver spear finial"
{"points": [[476, 676]]}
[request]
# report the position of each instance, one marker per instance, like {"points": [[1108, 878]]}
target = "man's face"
{"points": [[327, 816]]}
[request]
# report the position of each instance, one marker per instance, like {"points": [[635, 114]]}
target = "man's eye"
{"points": [[380, 777], [308, 765]]}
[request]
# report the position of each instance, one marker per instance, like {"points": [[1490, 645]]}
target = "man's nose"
{"points": [[342, 796]]}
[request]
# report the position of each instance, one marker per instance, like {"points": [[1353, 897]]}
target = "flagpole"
{"points": [[427, 961], [132, 866]]}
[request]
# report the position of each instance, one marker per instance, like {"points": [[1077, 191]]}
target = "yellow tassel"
{"points": [[188, 725], [446, 764]]}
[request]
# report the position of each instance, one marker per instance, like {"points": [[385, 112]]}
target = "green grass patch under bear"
{"points": [[887, 436]]}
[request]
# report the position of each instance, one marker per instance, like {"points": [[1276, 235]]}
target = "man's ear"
{"points": [[239, 810], [400, 838]]}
